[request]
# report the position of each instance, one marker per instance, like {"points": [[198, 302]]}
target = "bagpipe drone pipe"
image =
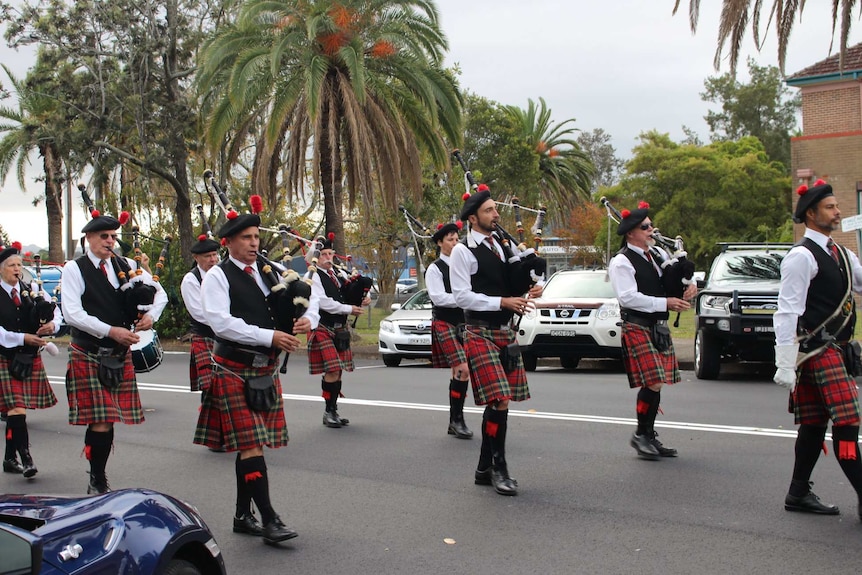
{"points": [[42, 309], [526, 267]]}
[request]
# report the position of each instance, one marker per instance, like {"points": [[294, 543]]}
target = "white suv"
{"points": [[577, 316]]}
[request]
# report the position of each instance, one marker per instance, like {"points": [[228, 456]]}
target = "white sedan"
{"points": [[406, 333]]}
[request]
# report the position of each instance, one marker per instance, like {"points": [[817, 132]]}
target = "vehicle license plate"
{"points": [[764, 328], [562, 332], [419, 341]]}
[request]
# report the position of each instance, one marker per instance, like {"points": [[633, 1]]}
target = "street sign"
{"points": [[851, 223]]}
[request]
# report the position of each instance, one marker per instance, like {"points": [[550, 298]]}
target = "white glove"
{"points": [[785, 364]]}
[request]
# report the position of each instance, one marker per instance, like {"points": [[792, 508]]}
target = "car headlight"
{"points": [[387, 325], [609, 310], [714, 305]]}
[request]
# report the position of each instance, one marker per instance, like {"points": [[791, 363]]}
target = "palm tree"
{"points": [[358, 83], [33, 127], [566, 169], [736, 14]]}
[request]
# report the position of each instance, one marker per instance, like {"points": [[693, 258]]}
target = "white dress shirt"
{"points": [[191, 290], [463, 264], [436, 289], [622, 275], [73, 288], [798, 268], [10, 339], [326, 303]]}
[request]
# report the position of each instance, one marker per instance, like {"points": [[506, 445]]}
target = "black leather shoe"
{"points": [[12, 466], [331, 419], [503, 484], [809, 503], [340, 419], [644, 447], [459, 429], [248, 525], [97, 486], [275, 531], [662, 450], [484, 477]]}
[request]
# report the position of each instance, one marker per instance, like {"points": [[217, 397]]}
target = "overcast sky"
{"points": [[626, 66]]}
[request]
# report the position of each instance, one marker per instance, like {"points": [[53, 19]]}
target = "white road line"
{"points": [[706, 427]]}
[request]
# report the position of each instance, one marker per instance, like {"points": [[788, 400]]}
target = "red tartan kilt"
{"points": [[644, 364], [90, 402], [244, 428], [33, 393], [200, 363], [322, 355], [825, 391], [446, 348], [490, 381], [208, 431]]}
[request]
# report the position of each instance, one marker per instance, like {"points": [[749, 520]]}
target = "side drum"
{"points": [[147, 353]]}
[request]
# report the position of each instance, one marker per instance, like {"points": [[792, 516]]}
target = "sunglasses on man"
{"points": [[114, 236], [646, 226]]}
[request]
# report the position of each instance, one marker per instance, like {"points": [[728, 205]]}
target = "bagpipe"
{"points": [[677, 269], [41, 308], [526, 267]]}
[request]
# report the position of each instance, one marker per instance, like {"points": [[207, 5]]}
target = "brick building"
{"points": [[830, 146]]}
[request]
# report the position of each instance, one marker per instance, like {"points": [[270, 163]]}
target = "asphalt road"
{"points": [[392, 493]]}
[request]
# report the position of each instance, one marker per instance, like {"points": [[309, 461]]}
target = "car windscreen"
{"points": [[420, 300], [748, 266], [587, 285]]}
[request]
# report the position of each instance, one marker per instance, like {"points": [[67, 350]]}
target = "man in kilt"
{"points": [[245, 355], [446, 347], [648, 354], [23, 381], [208, 430], [100, 378], [329, 350], [481, 284], [815, 318]]}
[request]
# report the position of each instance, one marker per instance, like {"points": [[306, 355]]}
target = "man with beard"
{"points": [[648, 354], [816, 316], [480, 274]]}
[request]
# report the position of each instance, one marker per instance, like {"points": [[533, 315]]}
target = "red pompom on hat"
{"points": [[445, 229], [460, 224], [465, 197], [643, 205], [483, 188], [94, 213], [202, 237], [632, 218], [17, 246], [331, 236], [256, 203], [809, 197], [231, 215], [802, 189], [625, 213], [124, 217]]}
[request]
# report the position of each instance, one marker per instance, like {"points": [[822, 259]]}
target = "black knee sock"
{"points": [[485, 455], [845, 442], [243, 491], [21, 437], [647, 409], [457, 394], [336, 394], [10, 445], [15, 437], [254, 474], [497, 425], [330, 393], [98, 448], [809, 441]]}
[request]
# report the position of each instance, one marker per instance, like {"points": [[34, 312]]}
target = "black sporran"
{"points": [[260, 393], [510, 357], [111, 370], [853, 358], [660, 335], [342, 339], [21, 367]]}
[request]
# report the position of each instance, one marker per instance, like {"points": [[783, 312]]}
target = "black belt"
{"points": [[93, 347], [644, 321], [334, 325], [486, 324], [246, 357]]}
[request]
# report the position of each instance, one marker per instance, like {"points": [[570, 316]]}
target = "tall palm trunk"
{"points": [[330, 179], [53, 166]]}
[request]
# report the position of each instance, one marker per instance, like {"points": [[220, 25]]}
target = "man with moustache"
{"points": [[246, 350], [208, 431], [446, 347], [23, 381], [815, 318], [329, 350], [100, 379], [481, 279], [648, 354]]}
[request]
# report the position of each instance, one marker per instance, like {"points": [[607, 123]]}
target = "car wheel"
{"points": [[707, 356], [530, 361], [570, 362], [391, 360], [181, 567]]}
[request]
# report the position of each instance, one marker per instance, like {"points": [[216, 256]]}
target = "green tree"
{"points": [[566, 170], [764, 108], [725, 191], [597, 145], [358, 82], [736, 14]]}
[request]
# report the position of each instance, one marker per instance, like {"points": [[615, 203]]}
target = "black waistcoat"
{"points": [[195, 326], [452, 315], [825, 293], [246, 302], [491, 278], [100, 299], [12, 317], [332, 291], [648, 280]]}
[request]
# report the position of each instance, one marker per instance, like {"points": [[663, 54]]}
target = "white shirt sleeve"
{"points": [[798, 268], [190, 288], [215, 295], [622, 274], [325, 302], [462, 266], [436, 289], [73, 310]]}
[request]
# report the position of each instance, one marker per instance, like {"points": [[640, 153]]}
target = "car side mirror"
{"points": [[22, 551], [395, 306]]}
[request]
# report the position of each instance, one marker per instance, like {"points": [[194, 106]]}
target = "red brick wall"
{"points": [[830, 111]]}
